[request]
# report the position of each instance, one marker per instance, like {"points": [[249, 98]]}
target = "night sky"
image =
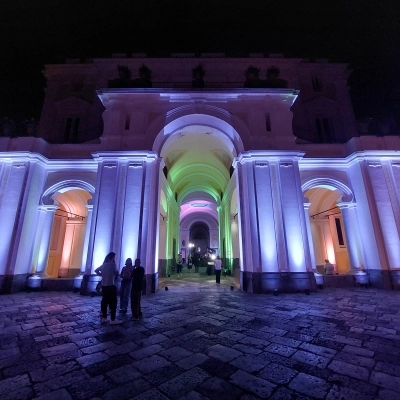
{"points": [[363, 33]]}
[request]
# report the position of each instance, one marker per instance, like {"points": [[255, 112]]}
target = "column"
{"points": [[87, 235], [125, 212], [79, 277], [309, 235], [296, 236], [256, 221], [352, 236], [42, 244], [13, 186], [103, 214]]}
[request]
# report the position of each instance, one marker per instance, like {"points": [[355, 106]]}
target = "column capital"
{"points": [[127, 156], [48, 208], [346, 205], [263, 158]]}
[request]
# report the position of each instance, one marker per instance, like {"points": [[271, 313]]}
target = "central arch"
{"points": [[197, 152]]}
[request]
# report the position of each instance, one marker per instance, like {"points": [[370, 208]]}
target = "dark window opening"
{"points": [[316, 84], [71, 130], [268, 123], [127, 122], [324, 130], [339, 232]]}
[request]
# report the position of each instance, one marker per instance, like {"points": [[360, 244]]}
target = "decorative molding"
{"points": [[110, 165], [64, 186], [135, 165], [375, 165], [286, 165], [310, 183], [261, 164], [19, 165], [396, 164]]}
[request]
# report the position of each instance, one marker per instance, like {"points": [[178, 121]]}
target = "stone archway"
{"points": [[327, 223], [62, 233], [197, 152]]}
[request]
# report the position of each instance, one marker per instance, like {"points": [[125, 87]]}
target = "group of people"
{"points": [[196, 260], [131, 286]]}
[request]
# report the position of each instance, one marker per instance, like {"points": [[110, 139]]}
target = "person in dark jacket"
{"points": [[126, 284], [136, 291]]}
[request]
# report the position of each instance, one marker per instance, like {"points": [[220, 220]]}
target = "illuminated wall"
{"points": [[256, 167]]}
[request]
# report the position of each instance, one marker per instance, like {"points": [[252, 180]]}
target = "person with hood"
{"points": [[136, 291], [108, 272]]}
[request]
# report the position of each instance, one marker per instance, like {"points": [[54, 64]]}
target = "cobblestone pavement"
{"points": [[198, 340]]}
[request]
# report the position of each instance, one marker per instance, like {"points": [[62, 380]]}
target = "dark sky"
{"points": [[363, 33]]}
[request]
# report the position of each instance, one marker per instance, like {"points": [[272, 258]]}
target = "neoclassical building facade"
{"points": [[257, 158]]}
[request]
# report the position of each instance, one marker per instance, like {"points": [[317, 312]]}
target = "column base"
{"points": [[34, 282], [78, 282], [395, 277], [151, 283], [277, 282], [380, 279], [12, 283], [89, 284]]}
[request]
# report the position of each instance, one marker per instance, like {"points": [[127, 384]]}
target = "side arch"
{"points": [[63, 186], [329, 183]]}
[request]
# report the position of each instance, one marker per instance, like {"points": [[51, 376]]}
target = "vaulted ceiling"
{"points": [[198, 159]]}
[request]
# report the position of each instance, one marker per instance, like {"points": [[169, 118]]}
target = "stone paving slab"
{"points": [[201, 341]]}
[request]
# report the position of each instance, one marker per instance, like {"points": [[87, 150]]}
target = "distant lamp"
{"points": [[213, 256], [191, 245]]}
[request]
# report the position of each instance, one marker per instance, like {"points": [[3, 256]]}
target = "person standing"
{"points": [[218, 268], [108, 272], [190, 262], [329, 268], [136, 291], [179, 262], [126, 285], [196, 259]]}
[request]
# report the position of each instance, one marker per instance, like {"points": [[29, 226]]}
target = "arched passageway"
{"points": [[195, 193], [327, 229], [68, 234], [62, 233], [330, 208]]}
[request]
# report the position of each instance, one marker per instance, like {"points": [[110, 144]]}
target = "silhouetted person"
{"points": [[137, 289], [108, 272], [218, 268], [196, 259]]}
